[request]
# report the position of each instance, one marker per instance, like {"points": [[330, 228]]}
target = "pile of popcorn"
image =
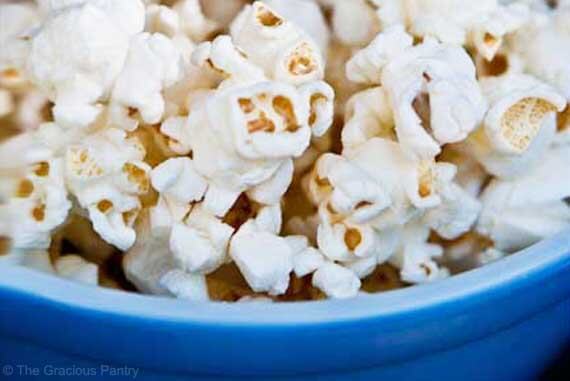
{"points": [[280, 149]]}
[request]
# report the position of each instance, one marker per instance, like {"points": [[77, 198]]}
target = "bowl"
{"points": [[505, 321]]}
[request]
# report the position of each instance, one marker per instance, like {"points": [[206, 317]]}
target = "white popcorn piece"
{"points": [[76, 268], [219, 200], [308, 261], [354, 22], [488, 256], [148, 260], [222, 11], [434, 96], [106, 173], [544, 47], [367, 64], [36, 204], [264, 259], [200, 244], [174, 129], [415, 258], [17, 20], [6, 103], [519, 212], [348, 190], [37, 260], [161, 19], [193, 22], [30, 110], [186, 286], [307, 15], [336, 281], [227, 60], [280, 48], [271, 190], [411, 184], [487, 34], [178, 181], [320, 98], [368, 114], [455, 215], [79, 52], [519, 125], [152, 64]]}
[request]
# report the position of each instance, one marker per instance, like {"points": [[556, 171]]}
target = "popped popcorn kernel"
{"points": [[521, 122], [280, 150]]}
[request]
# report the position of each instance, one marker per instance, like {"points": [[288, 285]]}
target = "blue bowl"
{"points": [[506, 321]]}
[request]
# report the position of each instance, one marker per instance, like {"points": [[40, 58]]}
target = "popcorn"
{"points": [[305, 14], [264, 259], [367, 64], [354, 22], [517, 213], [106, 174], [17, 20], [153, 63], [280, 48], [435, 97], [336, 281], [149, 265], [544, 47], [368, 114], [210, 161], [200, 244], [78, 53], [177, 181], [75, 268], [519, 125], [415, 256], [37, 203]]}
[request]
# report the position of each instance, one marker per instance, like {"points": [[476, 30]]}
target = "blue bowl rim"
{"points": [[536, 262]]}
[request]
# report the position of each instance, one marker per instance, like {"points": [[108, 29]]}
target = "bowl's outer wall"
{"points": [[507, 331]]}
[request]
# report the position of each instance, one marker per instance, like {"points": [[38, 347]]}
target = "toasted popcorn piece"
{"points": [[75, 268], [307, 15], [487, 35], [415, 256], [412, 185], [200, 244], [106, 173], [519, 125], [18, 20], [36, 204], [153, 63], [368, 114], [348, 191], [354, 22], [336, 281], [280, 48], [79, 52], [185, 285], [341, 240], [544, 47], [177, 180], [435, 96], [517, 213], [320, 98], [367, 64]]}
